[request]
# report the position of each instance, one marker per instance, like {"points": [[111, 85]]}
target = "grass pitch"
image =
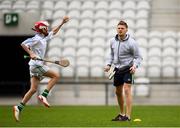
{"points": [[90, 116]]}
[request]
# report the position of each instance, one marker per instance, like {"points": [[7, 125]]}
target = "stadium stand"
{"points": [[84, 40]]}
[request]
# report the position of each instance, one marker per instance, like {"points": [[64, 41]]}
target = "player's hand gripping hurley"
{"points": [[62, 62]]}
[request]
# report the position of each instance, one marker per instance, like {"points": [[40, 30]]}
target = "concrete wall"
{"points": [[26, 22], [165, 15]]}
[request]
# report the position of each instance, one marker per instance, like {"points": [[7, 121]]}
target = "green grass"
{"points": [[90, 116]]}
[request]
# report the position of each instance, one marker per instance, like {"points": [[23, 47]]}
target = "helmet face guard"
{"points": [[41, 27]]}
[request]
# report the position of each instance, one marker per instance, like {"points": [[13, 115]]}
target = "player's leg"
{"points": [[18, 108], [34, 85], [54, 78], [128, 81], [118, 83], [128, 97], [120, 98]]}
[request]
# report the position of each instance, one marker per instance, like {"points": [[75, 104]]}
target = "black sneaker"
{"points": [[118, 118], [125, 118]]}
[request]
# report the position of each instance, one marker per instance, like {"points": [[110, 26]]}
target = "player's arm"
{"points": [[137, 57], [29, 51], [56, 29]]}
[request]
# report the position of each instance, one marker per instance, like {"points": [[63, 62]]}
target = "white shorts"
{"points": [[38, 71]]}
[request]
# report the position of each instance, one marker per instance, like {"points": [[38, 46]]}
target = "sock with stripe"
{"points": [[21, 106], [45, 93]]}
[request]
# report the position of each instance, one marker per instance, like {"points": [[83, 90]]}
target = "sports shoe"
{"points": [[44, 100], [117, 118], [125, 118], [16, 113]]}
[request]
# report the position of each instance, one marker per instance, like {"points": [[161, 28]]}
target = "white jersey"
{"points": [[38, 45]]}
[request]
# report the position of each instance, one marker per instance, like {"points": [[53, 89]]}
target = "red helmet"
{"points": [[41, 27]]}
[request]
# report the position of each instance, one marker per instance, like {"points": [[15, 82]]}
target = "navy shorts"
{"points": [[123, 77]]}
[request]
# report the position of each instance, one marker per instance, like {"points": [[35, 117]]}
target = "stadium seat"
{"points": [[48, 5], [141, 23], [68, 72], [154, 67], [88, 5], [69, 51], [142, 14], [170, 34], [129, 14], [33, 6], [178, 52], [54, 67], [46, 14], [111, 33], [169, 42], [86, 32], [83, 51], [96, 71], [141, 33], [82, 67], [71, 32], [70, 42], [73, 23], [155, 42], [112, 23], [100, 23], [98, 42], [169, 39], [96, 66], [54, 52], [74, 5], [55, 42], [131, 23], [169, 51], [115, 5], [6, 4], [58, 14], [60, 5], [130, 4], [144, 53], [114, 14], [169, 67], [97, 51], [19, 6], [131, 32], [101, 14], [101, 5], [74, 14], [154, 51], [178, 44], [86, 23], [143, 4], [156, 34], [178, 35], [177, 67], [99, 32], [87, 14], [84, 42], [142, 42]]}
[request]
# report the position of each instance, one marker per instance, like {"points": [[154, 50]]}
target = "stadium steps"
{"points": [[161, 95]]}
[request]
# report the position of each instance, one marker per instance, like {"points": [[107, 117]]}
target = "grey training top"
{"points": [[124, 52]]}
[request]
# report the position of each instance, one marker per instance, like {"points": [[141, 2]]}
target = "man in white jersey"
{"points": [[36, 48]]}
